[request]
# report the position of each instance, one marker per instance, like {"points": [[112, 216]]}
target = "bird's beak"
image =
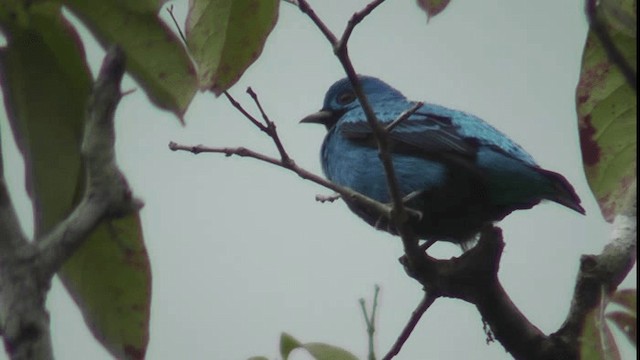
{"points": [[321, 117]]}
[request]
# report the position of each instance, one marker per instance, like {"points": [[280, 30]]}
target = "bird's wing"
{"points": [[423, 133], [435, 130]]}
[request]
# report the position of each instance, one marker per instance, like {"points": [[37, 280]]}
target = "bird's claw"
{"points": [[330, 198]]}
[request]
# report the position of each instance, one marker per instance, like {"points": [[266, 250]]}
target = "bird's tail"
{"points": [[563, 193]]}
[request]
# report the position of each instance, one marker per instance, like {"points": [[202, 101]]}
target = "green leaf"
{"points": [[42, 68], [226, 36], [596, 341], [156, 57], [322, 351], [319, 351], [433, 7], [287, 344], [621, 15], [607, 110], [110, 279]]}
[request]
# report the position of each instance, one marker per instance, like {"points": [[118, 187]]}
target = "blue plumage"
{"points": [[457, 170]]}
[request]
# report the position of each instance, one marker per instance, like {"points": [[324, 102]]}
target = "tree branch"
{"points": [[380, 208], [107, 192], [26, 268], [603, 272], [424, 305]]}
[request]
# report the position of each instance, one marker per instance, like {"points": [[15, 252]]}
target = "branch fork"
{"points": [[26, 268]]}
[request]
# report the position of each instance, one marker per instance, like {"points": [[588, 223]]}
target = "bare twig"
{"points": [[380, 208], [355, 20], [304, 6], [175, 22], [246, 114], [271, 128], [404, 116], [424, 305], [370, 321]]}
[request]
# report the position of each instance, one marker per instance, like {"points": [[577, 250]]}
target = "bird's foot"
{"points": [[330, 198]]}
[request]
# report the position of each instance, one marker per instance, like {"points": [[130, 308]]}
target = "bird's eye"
{"points": [[346, 97]]}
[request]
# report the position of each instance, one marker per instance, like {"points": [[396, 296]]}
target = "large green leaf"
{"points": [[110, 279], [318, 351], [156, 57], [607, 110], [46, 84], [42, 68], [226, 36]]}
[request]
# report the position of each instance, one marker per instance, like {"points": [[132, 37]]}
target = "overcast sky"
{"points": [[241, 251]]}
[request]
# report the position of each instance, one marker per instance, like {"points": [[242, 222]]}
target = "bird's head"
{"points": [[341, 98]]}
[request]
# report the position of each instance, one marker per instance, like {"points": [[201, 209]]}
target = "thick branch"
{"points": [[26, 268], [24, 323], [601, 272], [473, 277], [107, 192]]}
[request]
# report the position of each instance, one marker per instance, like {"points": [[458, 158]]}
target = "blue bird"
{"points": [[458, 171]]}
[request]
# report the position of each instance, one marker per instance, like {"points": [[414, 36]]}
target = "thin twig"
{"points": [[304, 6], [170, 11], [271, 127], [426, 302], [244, 112], [370, 321], [378, 207], [356, 19], [404, 116]]}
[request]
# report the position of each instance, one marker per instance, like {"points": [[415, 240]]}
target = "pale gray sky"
{"points": [[240, 250]]}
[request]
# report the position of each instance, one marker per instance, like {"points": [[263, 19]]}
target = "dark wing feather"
{"points": [[422, 134]]}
